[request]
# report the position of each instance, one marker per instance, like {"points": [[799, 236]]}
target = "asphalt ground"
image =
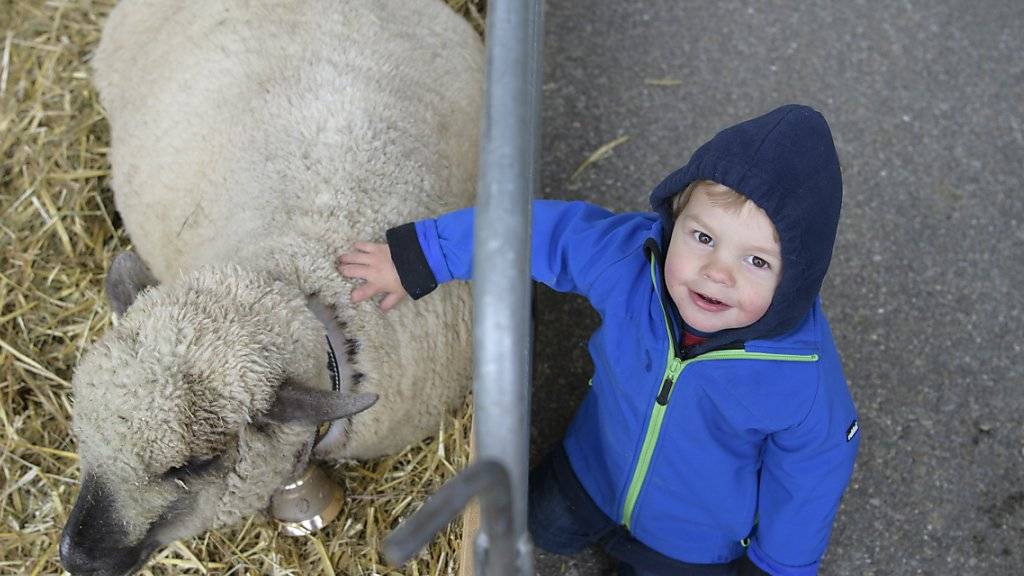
{"points": [[926, 105]]}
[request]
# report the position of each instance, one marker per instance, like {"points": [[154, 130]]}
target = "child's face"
{"points": [[723, 264]]}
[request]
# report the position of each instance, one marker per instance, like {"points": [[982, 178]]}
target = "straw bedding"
{"points": [[58, 234]]}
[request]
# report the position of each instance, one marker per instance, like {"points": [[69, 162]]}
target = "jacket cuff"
{"points": [[748, 568], [759, 558], [410, 262]]}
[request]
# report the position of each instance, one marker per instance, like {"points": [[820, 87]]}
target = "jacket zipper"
{"points": [[674, 367]]}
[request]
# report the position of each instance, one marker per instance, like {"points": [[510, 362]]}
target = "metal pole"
{"points": [[501, 271], [484, 478]]}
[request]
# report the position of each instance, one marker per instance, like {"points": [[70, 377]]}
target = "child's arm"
{"points": [[804, 473], [572, 244]]}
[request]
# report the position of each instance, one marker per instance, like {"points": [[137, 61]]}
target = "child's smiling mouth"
{"points": [[708, 303]]}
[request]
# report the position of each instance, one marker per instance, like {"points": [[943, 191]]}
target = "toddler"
{"points": [[718, 435]]}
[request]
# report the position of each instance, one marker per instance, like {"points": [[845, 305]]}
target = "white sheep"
{"points": [[252, 142]]}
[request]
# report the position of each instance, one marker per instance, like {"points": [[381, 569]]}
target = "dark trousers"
{"points": [[563, 519]]}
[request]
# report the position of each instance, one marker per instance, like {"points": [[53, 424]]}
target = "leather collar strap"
{"points": [[334, 339], [311, 499], [332, 366]]}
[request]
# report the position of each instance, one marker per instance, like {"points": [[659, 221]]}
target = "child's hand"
{"points": [[372, 262]]}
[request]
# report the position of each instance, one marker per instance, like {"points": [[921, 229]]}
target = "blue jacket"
{"points": [[745, 442]]}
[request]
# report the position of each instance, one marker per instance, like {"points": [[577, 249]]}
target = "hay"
{"points": [[58, 233], [666, 81], [604, 151]]}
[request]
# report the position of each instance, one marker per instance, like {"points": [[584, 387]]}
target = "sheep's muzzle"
{"points": [[94, 541]]}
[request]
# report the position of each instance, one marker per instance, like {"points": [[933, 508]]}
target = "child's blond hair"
{"points": [[719, 195]]}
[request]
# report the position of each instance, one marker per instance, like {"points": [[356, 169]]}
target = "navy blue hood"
{"points": [[785, 161]]}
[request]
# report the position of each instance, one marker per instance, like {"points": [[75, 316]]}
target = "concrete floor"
{"points": [[926, 104]]}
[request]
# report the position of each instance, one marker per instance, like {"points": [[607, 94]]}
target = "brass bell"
{"points": [[307, 504]]}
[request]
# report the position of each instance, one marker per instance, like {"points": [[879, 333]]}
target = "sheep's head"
{"points": [[191, 412]]}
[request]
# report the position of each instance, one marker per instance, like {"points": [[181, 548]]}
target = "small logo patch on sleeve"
{"points": [[852, 431]]}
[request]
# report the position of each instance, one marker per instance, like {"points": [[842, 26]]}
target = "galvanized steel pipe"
{"points": [[509, 176]]}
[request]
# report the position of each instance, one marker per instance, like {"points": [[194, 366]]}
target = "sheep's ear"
{"points": [[298, 403], [128, 275]]}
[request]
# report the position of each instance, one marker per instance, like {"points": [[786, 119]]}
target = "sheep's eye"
{"points": [[194, 467]]}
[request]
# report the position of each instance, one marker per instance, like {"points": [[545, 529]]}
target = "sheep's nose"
{"points": [[92, 541], [80, 558], [77, 546], [76, 560]]}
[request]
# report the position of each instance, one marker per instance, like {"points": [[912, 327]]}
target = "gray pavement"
{"points": [[926, 105]]}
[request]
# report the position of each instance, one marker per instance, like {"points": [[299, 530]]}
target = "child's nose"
{"points": [[718, 272]]}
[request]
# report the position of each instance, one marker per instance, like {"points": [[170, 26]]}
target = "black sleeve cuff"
{"points": [[413, 269], [748, 568]]}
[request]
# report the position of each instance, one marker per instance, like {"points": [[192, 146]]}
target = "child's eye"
{"points": [[757, 262], [702, 237]]}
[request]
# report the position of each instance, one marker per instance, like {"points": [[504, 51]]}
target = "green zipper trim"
{"points": [[673, 368]]}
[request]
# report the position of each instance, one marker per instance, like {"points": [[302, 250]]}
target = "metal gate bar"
{"points": [[509, 177]]}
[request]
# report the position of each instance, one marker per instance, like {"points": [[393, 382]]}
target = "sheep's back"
{"points": [[238, 120], [275, 134]]}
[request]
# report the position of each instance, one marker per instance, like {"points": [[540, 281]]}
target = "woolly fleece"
{"points": [[252, 142]]}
